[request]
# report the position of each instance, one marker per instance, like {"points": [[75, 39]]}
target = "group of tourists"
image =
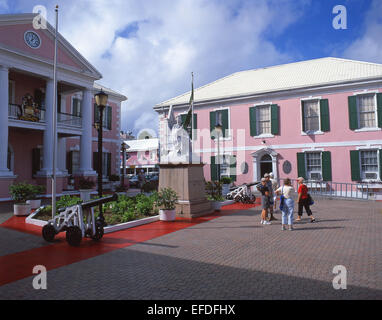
{"points": [[270, 189]]}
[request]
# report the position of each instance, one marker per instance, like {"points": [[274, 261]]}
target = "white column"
{"points": [[61, 154], [86, 138], [47, 161], [4, 100]]}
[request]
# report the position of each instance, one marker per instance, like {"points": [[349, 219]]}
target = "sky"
{"points": [[147, 49]]}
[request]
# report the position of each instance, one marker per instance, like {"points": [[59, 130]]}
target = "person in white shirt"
{"points": [[288, 206]]}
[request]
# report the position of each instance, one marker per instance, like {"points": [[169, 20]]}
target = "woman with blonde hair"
{"points": [[288, 194]]}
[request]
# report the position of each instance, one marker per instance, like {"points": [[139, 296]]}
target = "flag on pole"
{"points": [[191, 108]]}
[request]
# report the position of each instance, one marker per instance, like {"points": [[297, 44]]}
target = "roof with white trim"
{"points": [[289, 76]]}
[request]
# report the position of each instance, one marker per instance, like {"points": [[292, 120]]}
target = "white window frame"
{"points": [[310, 132], [229, 135], [264, 134], [375, 128], [72, 104], [306, 164], [104, 118], [363, 178]]}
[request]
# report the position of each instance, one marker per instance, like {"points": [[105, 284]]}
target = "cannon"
{"points": [[242, 193], [77, 221]]}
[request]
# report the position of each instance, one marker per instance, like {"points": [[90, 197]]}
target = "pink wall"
{"points": [[290, 127], [13, 36]]}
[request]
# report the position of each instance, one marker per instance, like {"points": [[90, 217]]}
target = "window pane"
{"points": [[369, 162], [264, 119], [366, 109], [313, 165], [311, 115]]}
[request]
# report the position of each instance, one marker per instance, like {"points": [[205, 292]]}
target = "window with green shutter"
{"points": [[212, 123], [108, 117], [252, 121], [232, 168], [214, 167], [219, 117], [324, 114], [301, 171], [326, 166], [379, 111], [274, 119], [355, 165], [195, 124], [353, 112]]}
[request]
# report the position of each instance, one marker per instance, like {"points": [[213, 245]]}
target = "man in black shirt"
{"points": [[265, 200]]}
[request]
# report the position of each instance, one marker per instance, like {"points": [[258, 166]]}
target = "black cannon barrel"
{"points": [[93, 203]]}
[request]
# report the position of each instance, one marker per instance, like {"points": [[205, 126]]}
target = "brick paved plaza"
{"points": [[229, 257]]}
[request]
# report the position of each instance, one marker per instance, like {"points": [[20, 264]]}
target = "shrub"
{"points": [[21, 192], [225, 180], [214, 190], [67, 201], [144, 205], [86, 183], [166, 198]]}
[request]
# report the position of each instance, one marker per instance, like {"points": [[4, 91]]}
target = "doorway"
{"points": [[265, 164]]}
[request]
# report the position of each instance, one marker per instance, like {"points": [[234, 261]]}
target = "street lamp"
{"points": [[124, 146], [101, 102], [218, 128]]}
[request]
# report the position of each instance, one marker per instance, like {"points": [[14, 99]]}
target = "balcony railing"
{"points": [[69, 119], [17, 112]]}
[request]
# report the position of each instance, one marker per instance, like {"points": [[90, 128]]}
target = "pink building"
{"points": [[320, 119], [26, 95]]}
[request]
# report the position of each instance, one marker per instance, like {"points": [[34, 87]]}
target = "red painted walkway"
{"points": [[19, 265]]}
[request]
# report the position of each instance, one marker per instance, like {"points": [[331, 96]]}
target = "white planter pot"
{"points": [[167, 215], [34, 203], [21, 209], [85, 194], [216, 205], [225, 189]]}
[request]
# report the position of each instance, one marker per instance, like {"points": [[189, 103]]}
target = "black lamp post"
{"points": [[101, 102], [123, 148]]}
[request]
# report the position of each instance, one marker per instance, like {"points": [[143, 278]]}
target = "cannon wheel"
{"points": [[74, 236], [48, 232], [99, 231]]}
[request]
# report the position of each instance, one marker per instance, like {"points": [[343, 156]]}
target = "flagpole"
{"points": [[54, 120], [192, 116]]}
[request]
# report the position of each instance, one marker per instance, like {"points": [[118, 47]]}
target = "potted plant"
{"points": [[225, 181], [32, 199], [86, 186], [166, 199], [20, 192], [214, 194]]}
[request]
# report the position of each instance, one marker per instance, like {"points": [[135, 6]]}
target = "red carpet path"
{"points": [[19, 265]]}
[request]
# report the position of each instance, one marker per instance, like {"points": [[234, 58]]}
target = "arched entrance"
{"points": [[264, 161], [265, 164]]}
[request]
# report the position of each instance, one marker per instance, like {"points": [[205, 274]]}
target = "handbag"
{"points": [[282, 199], [310, 200]]}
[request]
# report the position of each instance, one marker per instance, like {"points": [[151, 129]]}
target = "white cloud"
{"points": [[209, 37], [369, 46]]}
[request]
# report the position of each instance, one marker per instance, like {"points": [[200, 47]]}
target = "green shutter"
{"points": [[108, 164], [212, 122], [274, 119], [380, 164], [353, 113], [324, 113], [225, 122], [379, 111], [96, 114], [183, 118], [195, 126], [303, 116], [109, 117], [252, 121], [326, 166], [232, 168], [355, 165], [301, 172], [214, 175]]}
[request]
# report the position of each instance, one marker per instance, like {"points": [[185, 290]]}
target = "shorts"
{"points": [[265, 203]]}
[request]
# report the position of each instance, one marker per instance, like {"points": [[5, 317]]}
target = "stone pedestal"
{"points": [[188, 182]]}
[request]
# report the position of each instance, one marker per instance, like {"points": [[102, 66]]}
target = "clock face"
{"points": [[32, 39]]}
